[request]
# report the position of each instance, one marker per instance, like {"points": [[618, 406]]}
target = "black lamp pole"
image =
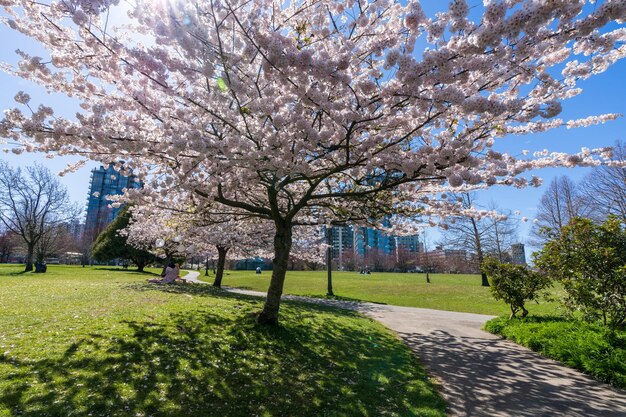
{"points": [[328, 262]]}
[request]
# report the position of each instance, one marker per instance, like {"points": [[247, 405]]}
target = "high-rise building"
{"points": [[342, 242], [105, 182], [518, 254], [409, 243], [367, 240], [361, 241]]}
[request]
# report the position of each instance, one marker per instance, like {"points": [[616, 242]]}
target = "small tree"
{"points": [[603, 189], [590, 261], [514, 284], [110, 244]]}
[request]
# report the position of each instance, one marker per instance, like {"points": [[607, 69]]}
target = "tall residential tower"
{"points": [[105, 182]]}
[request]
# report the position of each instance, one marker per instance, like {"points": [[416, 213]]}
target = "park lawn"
{"points": [[445, 292], [103, 342], [589, 347]]}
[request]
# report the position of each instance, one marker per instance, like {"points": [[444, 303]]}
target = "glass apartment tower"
{"points": [[105, 182]]}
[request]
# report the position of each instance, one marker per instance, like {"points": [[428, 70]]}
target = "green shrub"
{"points": [[591, 348], [590, 261], [514, 284]]}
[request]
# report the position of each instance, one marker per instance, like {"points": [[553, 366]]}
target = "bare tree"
{"points": [[54, 241], [8, 243], [488, 235], [405, 259], [604, 189], [561, 202], [501, 234], [468, 233], [32, 203]]}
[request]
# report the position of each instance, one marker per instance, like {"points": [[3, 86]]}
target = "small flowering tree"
{"points": [[240, 238], [161, 232], [175, 228], [305, 112]]}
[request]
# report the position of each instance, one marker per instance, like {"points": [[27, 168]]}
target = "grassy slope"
{"points": [[102, 342], [446, 292], [590, 348]]}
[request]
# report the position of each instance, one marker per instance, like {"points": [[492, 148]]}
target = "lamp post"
{"points": [[329, 249]]}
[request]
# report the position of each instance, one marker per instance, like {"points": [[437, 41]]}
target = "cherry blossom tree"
{"points": [[161, 232], [174, 228], [305, 112]]}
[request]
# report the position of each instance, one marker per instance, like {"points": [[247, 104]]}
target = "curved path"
{"points": [[482, 374]]}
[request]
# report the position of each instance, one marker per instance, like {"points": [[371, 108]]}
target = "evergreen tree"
{"points": [[110, 244]]}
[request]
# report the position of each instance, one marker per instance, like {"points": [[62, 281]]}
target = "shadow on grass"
{"points": [[335, 304], [218, 362], [128, 271], [321, 297], [342, 298], [544, 319], [14, 274], [13, 271], [206, 290]]}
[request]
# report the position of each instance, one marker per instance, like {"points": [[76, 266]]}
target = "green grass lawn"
{"points": [[591, 348], [103, 342], [445, 292]]}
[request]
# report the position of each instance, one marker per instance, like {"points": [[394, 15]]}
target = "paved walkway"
{"points": [[481, 374]]}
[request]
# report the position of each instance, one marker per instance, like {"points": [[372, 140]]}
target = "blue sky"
{"points": [[605, 93]]}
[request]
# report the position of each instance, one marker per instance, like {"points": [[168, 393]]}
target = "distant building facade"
{"points": [[105, 182], [450, 261], [518, 254], [356, 242], [342, 241], [410, 244]]}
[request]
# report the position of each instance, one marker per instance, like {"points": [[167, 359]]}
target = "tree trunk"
{"points": [[479, 253], [29, 258], [282, 247], [221, 261], [524, 312], [485, 282]]}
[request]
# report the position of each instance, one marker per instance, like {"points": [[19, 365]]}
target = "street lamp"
{"points": [[328, 261]]}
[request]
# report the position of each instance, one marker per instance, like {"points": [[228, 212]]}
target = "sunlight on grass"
{"points": [[445, 292], [104, 342]]}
